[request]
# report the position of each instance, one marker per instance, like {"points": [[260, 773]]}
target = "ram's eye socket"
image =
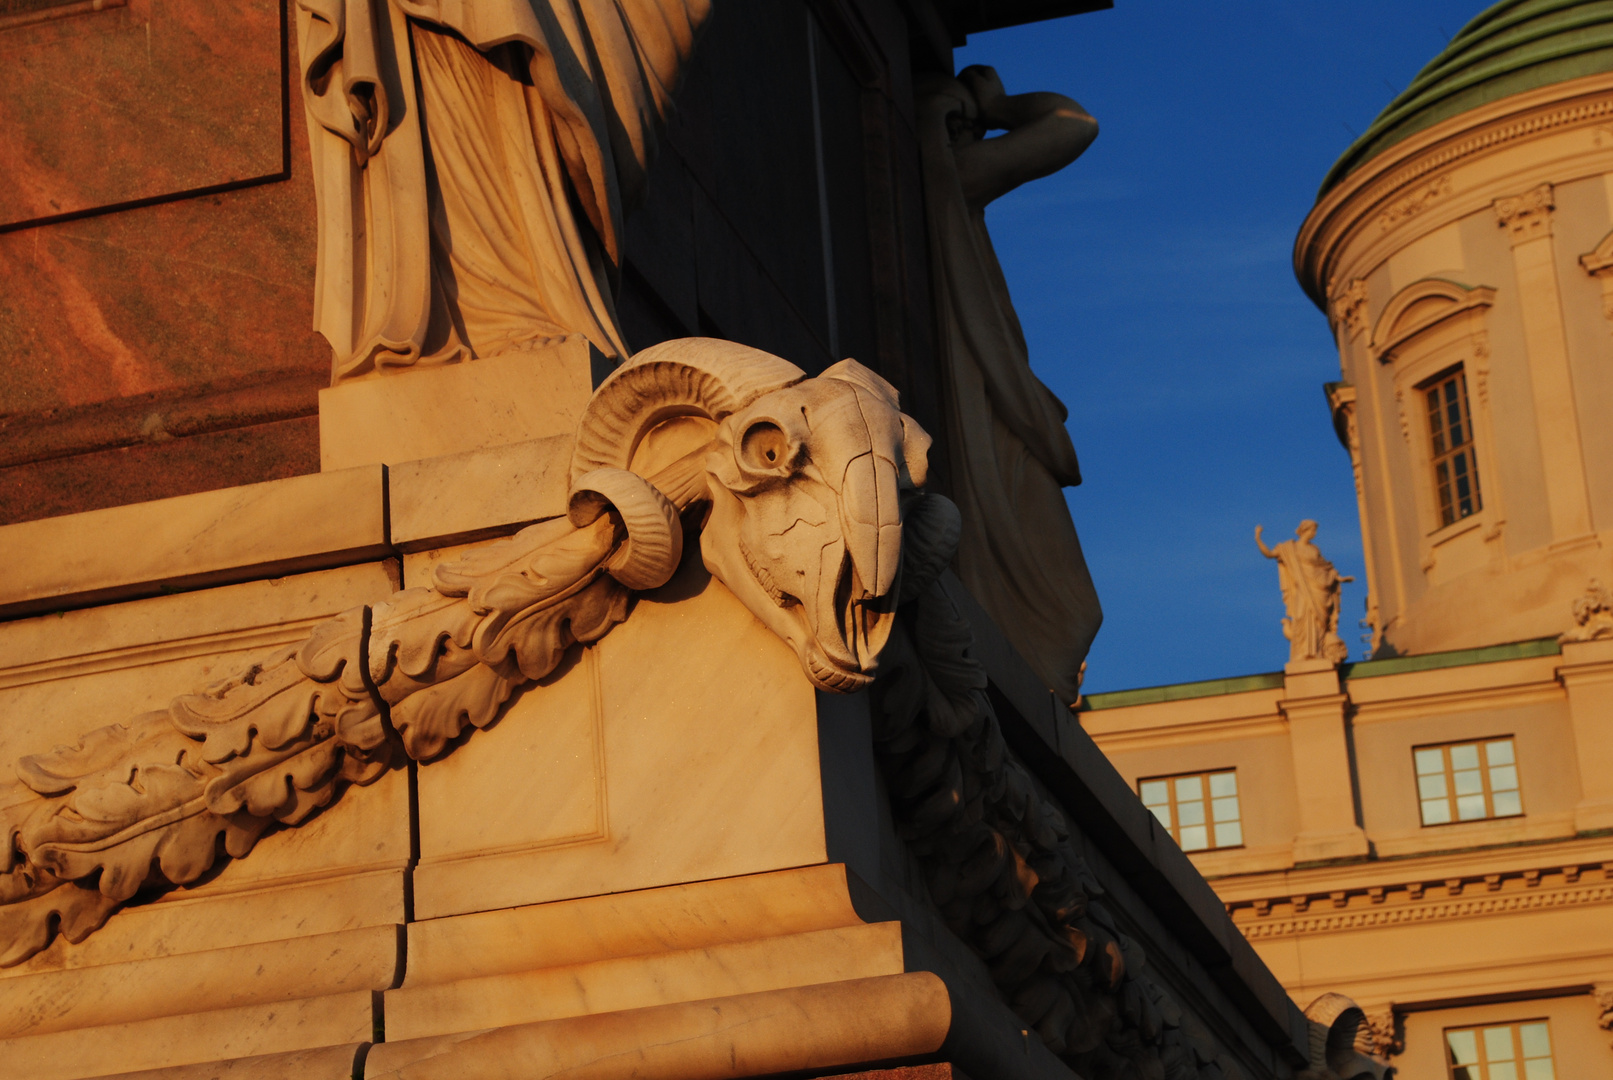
{"points": [[765, 446]]}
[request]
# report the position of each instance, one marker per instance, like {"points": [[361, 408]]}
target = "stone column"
{"points": [[1314, 708], [1527, 219], [1587, 674]]}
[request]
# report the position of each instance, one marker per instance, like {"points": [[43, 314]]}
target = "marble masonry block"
{"points": [[193, 1038], [819, 1027], [280, 526], [637, 949], [281, 951], [682, 747], [326, 1063], [432, 411], [445, 499], [636, 982]]}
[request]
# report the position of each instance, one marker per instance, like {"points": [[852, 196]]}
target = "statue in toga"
{"points": [[1010, 456], [473, 162], [1310, 587]]}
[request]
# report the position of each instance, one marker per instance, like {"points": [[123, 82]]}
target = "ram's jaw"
{"points": [[802, 584]]}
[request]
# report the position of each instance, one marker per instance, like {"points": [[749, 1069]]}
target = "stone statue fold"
{"points": [[1010, 453], [473, 162]]}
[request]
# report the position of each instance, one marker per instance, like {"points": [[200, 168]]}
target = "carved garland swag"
{"points": [[807, 493]]}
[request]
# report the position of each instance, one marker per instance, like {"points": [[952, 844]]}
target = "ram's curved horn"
{"points": [[685, 377], [654, 535]]}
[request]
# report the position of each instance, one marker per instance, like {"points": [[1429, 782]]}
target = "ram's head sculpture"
{"points": [[800, 488], [806, 480]]}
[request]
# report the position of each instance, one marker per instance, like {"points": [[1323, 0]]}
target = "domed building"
{"points": [[1462, 250], [1431, 831]]}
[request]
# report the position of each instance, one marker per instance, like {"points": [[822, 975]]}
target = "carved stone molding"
{"points": [[1599, 264], [1350, 307], [1398, 174], [1604, 1004], [1528, 216], [1593, 614], [1382, 1035], [1424, 911], [1341, 400], [1409, 206], [1409, 314]]}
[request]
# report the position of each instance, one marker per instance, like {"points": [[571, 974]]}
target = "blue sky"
{"points": [[1154, 281]]}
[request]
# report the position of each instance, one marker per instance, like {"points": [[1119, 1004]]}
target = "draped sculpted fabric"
{"points": [[473, 161], [1310, 586], [1010, 454]]}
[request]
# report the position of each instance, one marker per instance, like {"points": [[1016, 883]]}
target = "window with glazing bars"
{"points": [[1450, 427], [1199, 809], [1517, 1051], [1467, 781]]}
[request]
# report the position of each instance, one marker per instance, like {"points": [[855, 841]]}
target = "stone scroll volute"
{"points": [[799, 489]]}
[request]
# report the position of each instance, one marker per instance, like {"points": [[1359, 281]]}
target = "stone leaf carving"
{"points": [[997, 854], [802, 486]]}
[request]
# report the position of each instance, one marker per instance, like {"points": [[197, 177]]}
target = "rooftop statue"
{"points": [[1310, 587], [1010, 454], [473, 163]]}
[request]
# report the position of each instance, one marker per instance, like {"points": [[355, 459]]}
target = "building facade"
{"points": [[1431, 831]]}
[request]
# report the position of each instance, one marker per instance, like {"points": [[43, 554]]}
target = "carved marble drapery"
{"points": [[1010, 453], [1310, 587], [473, 163]]}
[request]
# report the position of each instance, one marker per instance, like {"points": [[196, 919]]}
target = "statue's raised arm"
{"points": [[1261, 544], [1044, 133]]}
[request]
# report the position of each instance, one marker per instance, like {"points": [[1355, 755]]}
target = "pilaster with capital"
{"points": [[1527, 218]]}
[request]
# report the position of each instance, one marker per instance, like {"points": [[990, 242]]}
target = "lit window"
{"points": [[1519, 1051], [1450, 426], [1467, 781], [1200, 809]]}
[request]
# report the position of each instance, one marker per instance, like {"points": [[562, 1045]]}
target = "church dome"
{"points": [[1511, 47]]}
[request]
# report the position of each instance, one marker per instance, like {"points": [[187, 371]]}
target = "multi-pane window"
{"points": [[1200, 809], [1450, 426], [1519, 1051], [1467, 781]]}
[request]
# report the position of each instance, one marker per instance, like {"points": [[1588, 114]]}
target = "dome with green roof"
{"points": [[1514, 46]]}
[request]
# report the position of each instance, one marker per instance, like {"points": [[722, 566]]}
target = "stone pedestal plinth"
{"points": [[428, 412], [1314, 709]]}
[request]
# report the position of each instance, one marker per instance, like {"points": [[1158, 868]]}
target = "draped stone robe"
{"points": [[473, 162], [1010, 454]]}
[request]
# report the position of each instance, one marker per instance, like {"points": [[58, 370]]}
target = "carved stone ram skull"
{"points": [[807, 481]]}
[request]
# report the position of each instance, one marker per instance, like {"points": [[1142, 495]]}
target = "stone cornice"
{"points": [[1465, 904], [1401, 183]]}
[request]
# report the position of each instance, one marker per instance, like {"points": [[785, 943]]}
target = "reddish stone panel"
{"points": [[160, 328], [137, 102], [941, 1070], [157, 470]]}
